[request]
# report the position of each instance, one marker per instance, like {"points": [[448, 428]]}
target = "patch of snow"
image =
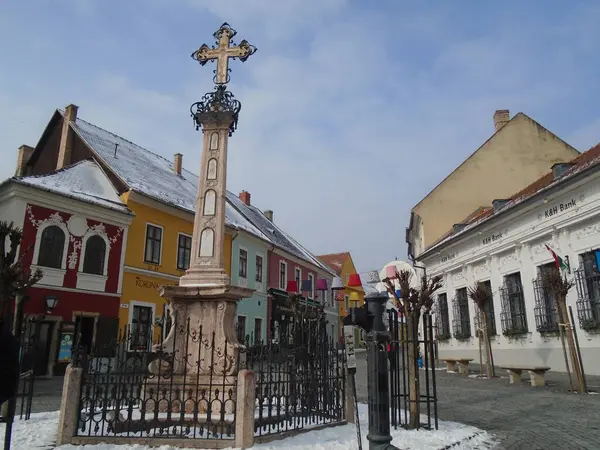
{"points": [[84, 180], [40, 432]]}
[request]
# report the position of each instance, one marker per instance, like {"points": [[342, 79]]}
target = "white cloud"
{"points": [[349, 116]]}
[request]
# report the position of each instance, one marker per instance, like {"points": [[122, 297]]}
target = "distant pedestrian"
{"points": [[9, 364]]}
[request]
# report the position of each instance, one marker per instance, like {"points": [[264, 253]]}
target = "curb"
{"points": [[449, 446]]}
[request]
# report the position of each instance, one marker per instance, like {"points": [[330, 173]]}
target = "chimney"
{"points": [[23, 155], [178, 163], [66, 137], [501, 118], [245, 197], [269, 214]]}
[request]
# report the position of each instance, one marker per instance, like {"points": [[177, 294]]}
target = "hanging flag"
{"points": [[372, 277], [561, 264], [339, 296]]}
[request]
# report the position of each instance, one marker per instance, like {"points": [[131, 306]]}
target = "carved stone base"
{"points": [[202, 340], [179, 393]]}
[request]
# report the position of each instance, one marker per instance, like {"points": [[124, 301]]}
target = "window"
{"points": [[488, 308], [311, 278], [259, 269], [513, 316], [257, 330], [324, 297], [347, 302], [545, 311], [461, 320], [241, 329], [52, 246], [282, 274], [298, 277], [243, 270], [95, 253], [443, 319], [141, 328], [587, 281], [153, 244], [184, 251]]}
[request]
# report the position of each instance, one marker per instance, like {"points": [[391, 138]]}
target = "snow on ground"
{"points": [[40, 433]]}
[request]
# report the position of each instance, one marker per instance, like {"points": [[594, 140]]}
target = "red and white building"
{"points": [[75, 231]]}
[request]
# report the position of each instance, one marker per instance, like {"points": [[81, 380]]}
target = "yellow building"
{"points": [[157, 254], [518, 153], [343, 265]]}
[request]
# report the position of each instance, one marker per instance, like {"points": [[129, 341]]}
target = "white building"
{"points": [[504, 246]]}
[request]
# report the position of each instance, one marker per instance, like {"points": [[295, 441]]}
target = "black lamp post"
{"points": [[370, 318]]}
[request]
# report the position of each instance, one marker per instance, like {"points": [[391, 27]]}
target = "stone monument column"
{"points": [[202, 341]]}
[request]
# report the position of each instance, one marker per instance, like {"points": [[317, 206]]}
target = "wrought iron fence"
{"points": [[513, 316], [546, 316], [587, 282], [182, 388], [186, 387], [399, 354], [300, 382]]}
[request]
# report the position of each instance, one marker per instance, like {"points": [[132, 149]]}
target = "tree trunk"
{"points": [[488, 348], [413, 370], [564, 319]]}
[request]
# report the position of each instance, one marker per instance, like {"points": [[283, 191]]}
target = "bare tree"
{"points": [[558, 284], [481, 296], [411, 303], [14, 278]]}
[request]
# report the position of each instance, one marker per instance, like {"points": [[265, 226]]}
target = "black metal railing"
{"points": [[461, 321], [442, 319], [546, 316], [513, 316], [300, 382], [398, 355], [587, 282]]}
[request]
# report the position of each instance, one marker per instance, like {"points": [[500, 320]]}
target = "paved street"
{"points": [[521, 417]]}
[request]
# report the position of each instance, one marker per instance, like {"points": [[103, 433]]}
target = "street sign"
{"points": [[349, 341]]}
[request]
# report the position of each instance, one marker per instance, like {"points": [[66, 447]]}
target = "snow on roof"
{"points": [[154, 176], [84, 180], [151, 174]]}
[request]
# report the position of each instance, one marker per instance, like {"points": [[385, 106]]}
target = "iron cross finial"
{"points": [[223, 49]]}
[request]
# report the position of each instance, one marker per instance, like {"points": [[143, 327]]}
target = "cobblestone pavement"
{"points": [[46, 395], [519, 416]]}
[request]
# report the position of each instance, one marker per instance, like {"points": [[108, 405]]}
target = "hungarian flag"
{"points": [[561, 264]]}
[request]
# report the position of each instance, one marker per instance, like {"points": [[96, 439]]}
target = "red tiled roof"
{"points": [[581, 162], [335, 260]]}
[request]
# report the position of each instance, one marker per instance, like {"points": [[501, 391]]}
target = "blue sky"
{"points": [[367, 105]]}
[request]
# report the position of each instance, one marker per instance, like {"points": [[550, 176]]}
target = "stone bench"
{"points": [[536, 373], [463, 365]]}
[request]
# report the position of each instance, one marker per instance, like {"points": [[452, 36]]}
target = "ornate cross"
{"points": [[225, 49]]}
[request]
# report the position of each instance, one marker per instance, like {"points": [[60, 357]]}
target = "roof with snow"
{"points": [[587, 160], [154, 176], [84, 181]]}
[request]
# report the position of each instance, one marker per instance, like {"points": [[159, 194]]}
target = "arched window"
{"points": [[52, 245], [95, 252]]}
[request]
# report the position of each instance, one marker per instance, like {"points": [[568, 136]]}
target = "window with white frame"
{"points": [[184, 251], [52, 246], [95, 255], [282, 274], [311, 278], [243, 270], [153, 244], [298, 277], [259, 268]]}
